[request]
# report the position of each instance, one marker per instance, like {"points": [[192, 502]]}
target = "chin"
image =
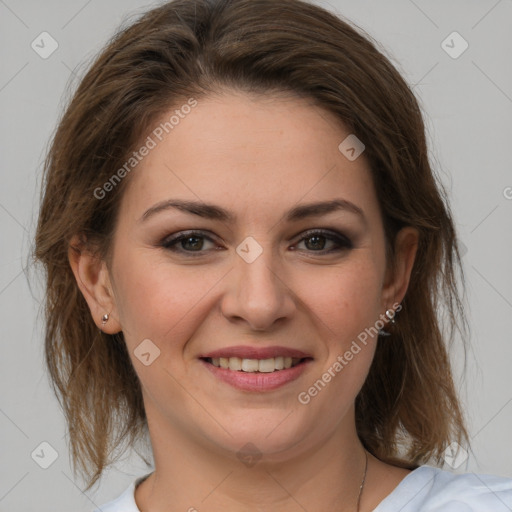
{"points": [[258, 433]]}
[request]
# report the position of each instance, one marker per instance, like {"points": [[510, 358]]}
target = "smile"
{"points": [[269, 365], [256, 368]]}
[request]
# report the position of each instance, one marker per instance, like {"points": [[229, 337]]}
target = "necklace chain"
{"points": [[362, 483]]}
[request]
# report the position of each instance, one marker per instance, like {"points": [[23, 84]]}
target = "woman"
{"points": [[248, 266]]}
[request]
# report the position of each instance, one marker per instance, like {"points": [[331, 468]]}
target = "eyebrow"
{"points": [[214, 212]]}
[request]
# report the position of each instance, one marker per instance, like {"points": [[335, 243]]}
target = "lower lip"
{"points": [[257, 381]]}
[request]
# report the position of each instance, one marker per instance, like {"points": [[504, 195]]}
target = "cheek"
{"points": [[160, 300], [347, 297], [347, 302], [156, 298]]}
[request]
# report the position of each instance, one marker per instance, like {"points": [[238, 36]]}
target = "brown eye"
{"points": [[193, 243], [188, 242], [317, 240]]}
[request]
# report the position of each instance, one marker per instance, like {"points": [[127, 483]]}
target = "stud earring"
{"points": [[390, 314], [104, 319]]}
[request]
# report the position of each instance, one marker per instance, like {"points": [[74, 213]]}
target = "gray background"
{"points": [[468, 105]]}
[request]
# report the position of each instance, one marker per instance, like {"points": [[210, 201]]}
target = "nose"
{"points": [[258, 294]]}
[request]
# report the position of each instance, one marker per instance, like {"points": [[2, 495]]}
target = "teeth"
{"points": [[255, 365], [250, 365], [235, 363], [267, 365]]}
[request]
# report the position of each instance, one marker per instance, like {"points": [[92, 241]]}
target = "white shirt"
{"points": [[425, 489]]}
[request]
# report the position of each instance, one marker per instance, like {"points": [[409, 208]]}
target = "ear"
{"points": [[398, 273], [93, 279]]}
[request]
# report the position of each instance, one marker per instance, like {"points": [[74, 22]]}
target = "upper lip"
{"points": [[245, 352]]}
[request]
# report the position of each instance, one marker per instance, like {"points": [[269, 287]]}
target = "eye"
{"points": [[316, 240], [193, 243], [186, 242]]}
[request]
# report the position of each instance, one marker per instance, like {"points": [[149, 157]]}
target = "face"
{"points": [[257, 279]]}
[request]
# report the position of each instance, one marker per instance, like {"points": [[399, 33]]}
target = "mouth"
{"points": [[268, 365], [256, 369]]}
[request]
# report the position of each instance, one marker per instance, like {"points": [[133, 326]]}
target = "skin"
{"points": [[257, 157]]}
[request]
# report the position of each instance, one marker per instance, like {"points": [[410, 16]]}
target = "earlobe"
{"points": [[92, 277], [399, 273]]}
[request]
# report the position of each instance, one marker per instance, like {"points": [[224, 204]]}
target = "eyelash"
{"points": [[342, 241]]}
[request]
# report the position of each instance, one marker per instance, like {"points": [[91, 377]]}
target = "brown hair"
{"points": [[407, 411]]}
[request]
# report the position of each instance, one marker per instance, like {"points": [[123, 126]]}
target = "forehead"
{"points": [[251, 154]]}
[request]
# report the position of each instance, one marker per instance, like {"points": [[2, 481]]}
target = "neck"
{"points": [[191, 475]]}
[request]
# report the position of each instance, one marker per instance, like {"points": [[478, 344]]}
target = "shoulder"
{"points": [[430, 489], [126, 501]]}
